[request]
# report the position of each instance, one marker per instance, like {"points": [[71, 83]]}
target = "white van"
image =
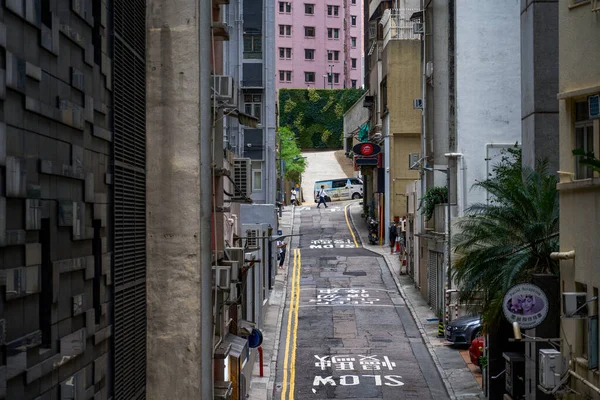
{"points": [[340, 189]]}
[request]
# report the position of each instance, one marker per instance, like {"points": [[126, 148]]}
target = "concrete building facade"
{"points": [[579, 187], [318, 44], [72, 200]]}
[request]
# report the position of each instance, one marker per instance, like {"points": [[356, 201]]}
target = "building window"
{"points": [[257, 176], [333, 33], [353, 2], [285, 76], [353, 20], [353, 60], [584, 138], [285, 30], [333, 55], [285, 7], [309, 9], [309, 54], [333, 11], [309, 31], [336, 78], [309, 77], [285, 53], [353, 42], [253, 104], [253, 44], [353, 83]]}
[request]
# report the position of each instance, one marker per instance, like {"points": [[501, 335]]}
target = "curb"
{"points": [[411, 308], [273, 368]]}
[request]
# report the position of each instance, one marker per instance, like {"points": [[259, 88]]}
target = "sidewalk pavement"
{"points": [[261, 388], [456, 375]]}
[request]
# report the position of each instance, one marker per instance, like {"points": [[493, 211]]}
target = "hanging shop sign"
{"points": [[526, 304], [366, 149]]}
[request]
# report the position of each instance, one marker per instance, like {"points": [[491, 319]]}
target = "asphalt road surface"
{"points": [[346, 333]]}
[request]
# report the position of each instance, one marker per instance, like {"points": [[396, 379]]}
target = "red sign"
{"points": [[366, 149]]}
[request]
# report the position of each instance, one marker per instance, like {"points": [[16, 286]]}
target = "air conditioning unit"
{"points": [[242, 176], [413, 160], [551, 367], [236, 257], [222, 276], [429, 69], [235, 269], [223, 88], [418, 28], [575, 305], [418, 104], [594, 106]]}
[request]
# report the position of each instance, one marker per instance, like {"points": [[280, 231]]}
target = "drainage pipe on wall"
{"points": [[206, 317]]}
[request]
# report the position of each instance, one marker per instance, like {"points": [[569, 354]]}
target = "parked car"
{"points": [[476, 350], [463, 330]]}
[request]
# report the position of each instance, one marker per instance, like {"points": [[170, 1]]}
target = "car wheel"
{"points": [[355, 196]]}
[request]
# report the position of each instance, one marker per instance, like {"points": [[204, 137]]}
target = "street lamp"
{"points": [[331, 76]]}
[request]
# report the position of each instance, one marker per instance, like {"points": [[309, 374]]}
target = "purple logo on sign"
{"points": [[526, 304]]}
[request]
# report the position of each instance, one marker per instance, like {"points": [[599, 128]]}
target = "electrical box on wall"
{"points": [[575, 305]]}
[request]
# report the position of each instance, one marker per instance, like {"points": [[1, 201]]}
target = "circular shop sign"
{"points": [[366, 149], [526, 304]]}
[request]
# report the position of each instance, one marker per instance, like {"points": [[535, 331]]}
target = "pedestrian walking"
{"points": [[293, 198], [281, 245], [322, 197], [393, 235]]}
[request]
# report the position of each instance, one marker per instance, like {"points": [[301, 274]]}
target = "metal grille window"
{"points": [[129, 152], [253, 44], [309, 54], [309, 77], [309, 9], [252, 238], [253, 105], [309, 31]]}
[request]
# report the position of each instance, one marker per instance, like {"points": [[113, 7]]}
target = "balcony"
{"points": [[398, 26]]}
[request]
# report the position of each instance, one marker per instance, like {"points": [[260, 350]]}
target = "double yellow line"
{"points": [[289, 365], [350, 226]]}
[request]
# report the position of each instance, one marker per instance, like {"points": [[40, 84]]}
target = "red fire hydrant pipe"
{"points": [[260, 360]]}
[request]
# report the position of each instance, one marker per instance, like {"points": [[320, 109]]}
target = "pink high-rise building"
{"points": [[319, 44]]}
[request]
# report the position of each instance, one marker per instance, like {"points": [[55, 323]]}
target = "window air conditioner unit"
{"points": [[575, 305], [235, 269], [418, 28], [594, 106], [551, 367], [222, 276], [223, 88], [413, 160], [429, 69], [418, 104], [242, 177], [236, 257]]}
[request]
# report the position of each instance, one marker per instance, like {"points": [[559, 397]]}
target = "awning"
{"points": [[234, 346], [245, 119]]}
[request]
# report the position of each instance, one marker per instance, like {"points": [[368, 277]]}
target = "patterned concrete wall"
{"points": [[55, 182]]}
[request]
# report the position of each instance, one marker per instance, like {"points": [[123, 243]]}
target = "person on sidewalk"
{"points": [[281, 245], [393, 236], [322, 197], [293, 198]]}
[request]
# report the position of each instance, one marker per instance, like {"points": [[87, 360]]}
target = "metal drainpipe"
{"points": [[206, 318]]}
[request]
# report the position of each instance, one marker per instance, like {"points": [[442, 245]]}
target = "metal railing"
{"points": [[398, 26]]}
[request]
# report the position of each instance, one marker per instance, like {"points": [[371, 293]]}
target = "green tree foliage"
{"points": [[588, 159], [291, 155], [316, 115], [503, 242], [433, 196]]}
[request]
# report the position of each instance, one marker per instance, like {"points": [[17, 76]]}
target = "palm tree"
{"points": [[505, 241]]}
